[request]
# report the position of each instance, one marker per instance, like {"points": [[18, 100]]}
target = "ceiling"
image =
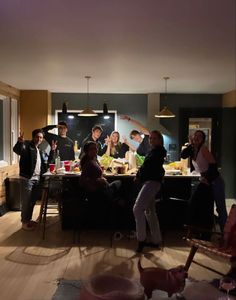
{"points": [[127, 46]]}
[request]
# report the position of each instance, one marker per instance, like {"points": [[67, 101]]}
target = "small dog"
{"points": [[171, 281]]}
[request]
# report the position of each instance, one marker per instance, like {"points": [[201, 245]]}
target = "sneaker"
{"points": [[28, 226], [34, 223]]}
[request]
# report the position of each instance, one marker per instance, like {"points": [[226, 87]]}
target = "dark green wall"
{"points": [[177, 101], [228, 154], [135, 105]]}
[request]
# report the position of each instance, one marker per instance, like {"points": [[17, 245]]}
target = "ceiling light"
{"points": [[87, 112], [165, 112], [70, 117]]}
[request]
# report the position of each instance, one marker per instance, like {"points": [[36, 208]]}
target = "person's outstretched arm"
{"points": [[131, 147], [49, 137], [137, 124]]}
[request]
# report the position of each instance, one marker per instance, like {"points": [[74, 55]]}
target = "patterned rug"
{"points": [[201, 290]]}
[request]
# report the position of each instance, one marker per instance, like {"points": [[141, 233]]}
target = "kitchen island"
{"points": [[80, 210]]}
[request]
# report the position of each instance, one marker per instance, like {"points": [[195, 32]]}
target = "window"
{"points": [[80, 127], [8, 130]]}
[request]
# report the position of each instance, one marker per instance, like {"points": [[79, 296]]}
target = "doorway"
{"points": [[207, 119]]}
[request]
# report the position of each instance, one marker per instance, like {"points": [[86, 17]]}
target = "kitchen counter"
{"points": [[171, 207]]}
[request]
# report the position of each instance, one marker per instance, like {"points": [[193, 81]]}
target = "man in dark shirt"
{"points": [[94, 137], [64, 144], [144, 146], [32, 166]]}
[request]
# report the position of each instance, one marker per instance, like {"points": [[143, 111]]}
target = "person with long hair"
{"points": [[150, 175], [211, 187], [114, 147], [92, 174]]}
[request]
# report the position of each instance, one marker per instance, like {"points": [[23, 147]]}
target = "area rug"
{"points": [[201, 290], [67, 289]]}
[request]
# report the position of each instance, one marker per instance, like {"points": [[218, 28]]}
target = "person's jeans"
{"points": [[31, 191], [218, 188], [145, 208]]}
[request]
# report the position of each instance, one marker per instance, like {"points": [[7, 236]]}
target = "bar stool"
{"points": [[45, 205]]}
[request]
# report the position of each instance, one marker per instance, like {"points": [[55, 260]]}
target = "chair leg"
{"points": [[43, 199], [190, 257], [45, 213]]}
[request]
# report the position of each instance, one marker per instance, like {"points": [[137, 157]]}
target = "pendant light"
{"points": [[165, 112], [87, 112], [64, 108], [105, 112]]}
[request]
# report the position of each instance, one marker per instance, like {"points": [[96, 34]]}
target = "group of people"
{"points": [[149, 176]]}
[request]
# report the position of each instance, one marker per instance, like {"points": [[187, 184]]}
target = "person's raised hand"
{"points": [[125, 139], [125, 117], [21, 137], [107, 140]]}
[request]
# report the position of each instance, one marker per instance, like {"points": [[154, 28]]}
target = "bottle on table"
{"points": [[76, 150], [57, 161]]}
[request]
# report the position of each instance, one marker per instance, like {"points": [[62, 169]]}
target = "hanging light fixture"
{"points": [[165, 112], [64, 108], [87, 112], [105, 112]]}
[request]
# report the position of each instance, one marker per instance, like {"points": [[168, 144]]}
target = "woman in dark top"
{"points": [[211, 186], [114, 147], [150, 175], [92, 178]]}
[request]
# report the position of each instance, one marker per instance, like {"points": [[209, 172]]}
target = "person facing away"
{"points": [[114, 147], [94, 136], [202, 161], [65, 145], [32, 166], [150, 175], [144, 146]]}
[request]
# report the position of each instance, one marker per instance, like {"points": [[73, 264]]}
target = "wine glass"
{"points": [[228, 284]]}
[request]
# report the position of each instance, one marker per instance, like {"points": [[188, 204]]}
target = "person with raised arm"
{"points": [[65, 145], [150, 176], [32, 166], [144, 146], [211, 186], [114, 147]]}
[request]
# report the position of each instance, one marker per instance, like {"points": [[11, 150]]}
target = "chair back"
{"points": [[230, 227]]}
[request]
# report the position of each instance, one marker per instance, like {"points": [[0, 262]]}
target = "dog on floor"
{"points": [[154, 278]]}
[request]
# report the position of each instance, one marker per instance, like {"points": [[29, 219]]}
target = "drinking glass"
{"points": [[227, 284]]}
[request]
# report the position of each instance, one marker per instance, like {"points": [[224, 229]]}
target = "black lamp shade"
{"points": [[105, 110], [64, 108]]}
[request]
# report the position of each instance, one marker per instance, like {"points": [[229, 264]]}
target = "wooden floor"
{"points": [[30, 267]]}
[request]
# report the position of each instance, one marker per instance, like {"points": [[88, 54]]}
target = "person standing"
{"points": [[143, 141], [203, 162], [94, 136], [32, 166], [64, 144], [151, 179]]}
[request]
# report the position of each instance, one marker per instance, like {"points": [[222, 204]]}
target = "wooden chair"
{"points": [[224, 247]]}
